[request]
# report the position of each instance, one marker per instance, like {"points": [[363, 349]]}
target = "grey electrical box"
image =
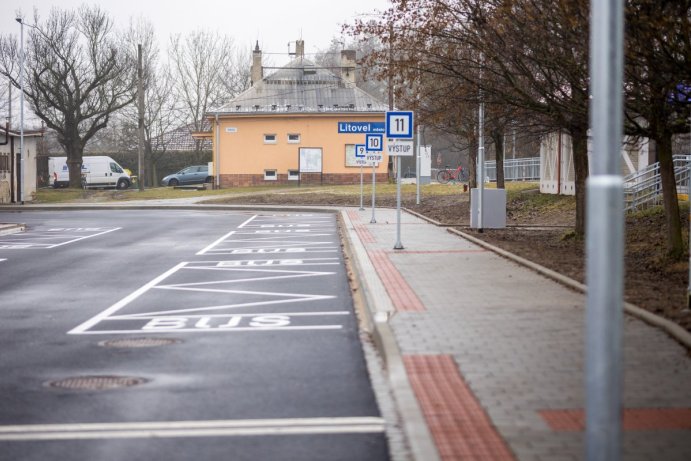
{"points": [[494, 208]]}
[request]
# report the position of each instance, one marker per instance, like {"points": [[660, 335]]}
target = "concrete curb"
{"points": [[380, 309]]}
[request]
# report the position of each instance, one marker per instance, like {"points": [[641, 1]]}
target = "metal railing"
{"points": [[644, 188], [519, 169]]}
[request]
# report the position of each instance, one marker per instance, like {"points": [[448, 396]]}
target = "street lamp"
{"points": [[22, 163]]}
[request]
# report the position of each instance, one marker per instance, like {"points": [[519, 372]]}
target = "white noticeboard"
{"points": [[400, 147], [425, 161], [310, 160]]}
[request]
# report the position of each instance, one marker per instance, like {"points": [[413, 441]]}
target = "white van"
{"points": [[97, 171]]}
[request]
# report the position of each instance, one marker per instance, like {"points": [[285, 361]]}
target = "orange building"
{"points": [[300, 123]]}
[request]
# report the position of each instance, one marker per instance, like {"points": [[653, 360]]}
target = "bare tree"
{"points": [[161, 112], [208, 69], [658, 87], [526, 54], [77, 76]]}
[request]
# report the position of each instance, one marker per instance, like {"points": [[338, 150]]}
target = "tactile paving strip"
{"points": [[402, 296], [460, 426]]}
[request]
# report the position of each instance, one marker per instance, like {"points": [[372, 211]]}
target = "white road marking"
{"points": [[247, 222], [123, 302], [85, 237], [220, 428], [32, 239]]}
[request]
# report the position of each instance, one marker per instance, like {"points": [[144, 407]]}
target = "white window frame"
{"points": [[270, 177], [293, 175], [294, 141], [270, 141]]}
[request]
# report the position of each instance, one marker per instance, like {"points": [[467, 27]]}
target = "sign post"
{"points": [[399, 132], [374, 144], [360, 154]]}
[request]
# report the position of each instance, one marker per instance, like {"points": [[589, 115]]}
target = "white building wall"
{"points": [[557, 174]]}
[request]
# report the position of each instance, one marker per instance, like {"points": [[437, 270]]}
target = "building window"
{"points": [[270, 175], [293, 138], [270, 138], [293, 175]]}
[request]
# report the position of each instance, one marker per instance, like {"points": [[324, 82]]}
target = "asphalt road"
{"points": [[262, 358]]}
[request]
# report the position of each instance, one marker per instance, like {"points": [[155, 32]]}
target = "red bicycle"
{"points": [[447, 174]]}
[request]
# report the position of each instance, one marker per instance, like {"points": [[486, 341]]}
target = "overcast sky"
{"points": [[273, 22]]}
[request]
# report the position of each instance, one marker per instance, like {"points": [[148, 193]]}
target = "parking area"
{"points": [[229, 335]]}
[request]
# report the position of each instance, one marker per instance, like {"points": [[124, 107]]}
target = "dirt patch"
{"points": [[540, 229]]}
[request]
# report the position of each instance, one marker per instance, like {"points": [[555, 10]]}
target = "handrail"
{"points": [[644, 187]]}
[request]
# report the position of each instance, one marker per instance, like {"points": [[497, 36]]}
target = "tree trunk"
{"points": [[74, 165], [579, 138], [498, 139], [675, 245], [472, 158]]}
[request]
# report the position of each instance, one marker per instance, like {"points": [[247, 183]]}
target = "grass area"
{"points": [[50, 195], [161, 193]]}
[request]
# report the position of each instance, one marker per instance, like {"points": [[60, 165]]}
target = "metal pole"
{"points": [[218, 156], [481, 166], [417, 168], [362, 190], [22, 163], [398, 245], [374, 187], [605, 236], [140, 107]]}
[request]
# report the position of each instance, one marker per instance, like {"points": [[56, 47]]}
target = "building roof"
{"points": [[302, 87], [183, 139]]}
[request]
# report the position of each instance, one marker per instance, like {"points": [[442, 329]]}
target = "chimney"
{"points": [[348, 68], [256, 71], [300, 49]]}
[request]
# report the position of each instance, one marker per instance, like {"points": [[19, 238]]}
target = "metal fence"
{"points": [[519, 169], [644, 188]]}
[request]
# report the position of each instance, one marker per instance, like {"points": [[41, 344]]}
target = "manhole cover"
{"points": [[96, 382], [139, 342]]}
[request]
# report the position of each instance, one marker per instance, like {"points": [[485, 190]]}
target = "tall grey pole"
{"points": [[140, 107], [481, 166], [398, 245], [374, 187], [22, 162], [362, 190], [218, 154], [417, 169], [605, 235]]}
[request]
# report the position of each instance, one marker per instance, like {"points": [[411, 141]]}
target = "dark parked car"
{"points": [[195, 174]]}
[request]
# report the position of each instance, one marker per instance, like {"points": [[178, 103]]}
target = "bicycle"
{"points": [[447, 174]]}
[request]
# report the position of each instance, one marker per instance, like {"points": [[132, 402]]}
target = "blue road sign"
{"points": [[361, 127], [399, 125], [360, 150], [374, 142]]}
